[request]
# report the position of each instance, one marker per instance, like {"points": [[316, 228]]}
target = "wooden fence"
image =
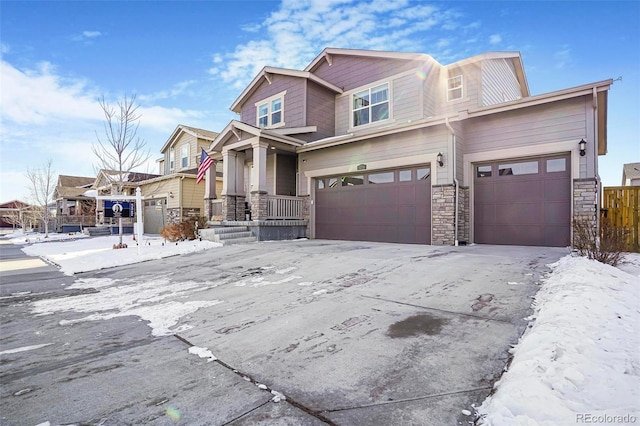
{"points": [[621, 208]]}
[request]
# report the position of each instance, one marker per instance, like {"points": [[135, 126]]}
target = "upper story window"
{"points": [[184, 156], [454, 88], [269, 112], [172, 159], [370, 105]]}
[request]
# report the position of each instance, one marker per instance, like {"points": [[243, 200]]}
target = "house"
{"points": [[173, 195], [15, 214], [631, 174], [75, 204], [396, 147]]}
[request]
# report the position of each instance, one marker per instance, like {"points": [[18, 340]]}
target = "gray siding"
{"points": [[407, 98], [499, 82], [349, 72], [471, 80], [556, 122], [285, 175], [406, 144], [294, 100], [431, 90], [320, 110]]}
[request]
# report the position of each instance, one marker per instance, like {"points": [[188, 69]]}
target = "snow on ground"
{"points": [[90, 254], [579, 362], [18, 237], [157, 300]]}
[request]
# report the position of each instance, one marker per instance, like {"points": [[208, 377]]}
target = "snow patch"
{"points": [[277, 396], [24, 349], [202, 353]]}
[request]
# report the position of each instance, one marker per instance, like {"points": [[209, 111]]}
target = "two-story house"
{"points": [[395, 147], [173, 195]]}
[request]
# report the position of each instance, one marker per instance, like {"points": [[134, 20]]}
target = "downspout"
{"points": [[595, 157], [455, 179]]}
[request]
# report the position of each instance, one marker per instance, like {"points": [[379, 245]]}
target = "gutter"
{"points": [[596, 141], [455, 179]]}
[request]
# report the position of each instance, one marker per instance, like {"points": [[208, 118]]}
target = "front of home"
{"points": [[395, 147]]}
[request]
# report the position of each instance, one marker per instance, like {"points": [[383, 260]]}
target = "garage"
{"points": [[523, 202], [385, 206], [154, 214]]}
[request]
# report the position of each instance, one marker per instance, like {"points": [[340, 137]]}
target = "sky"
{"points": [[187, 61]]}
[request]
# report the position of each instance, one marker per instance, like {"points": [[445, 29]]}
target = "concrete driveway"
{"points": [[351, 333], [367, 333]]}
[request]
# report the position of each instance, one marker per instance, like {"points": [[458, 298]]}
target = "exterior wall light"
{"points": [[583, 147], [439, 159]]}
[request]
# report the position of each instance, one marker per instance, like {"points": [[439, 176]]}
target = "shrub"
{"points": [[185, 230], [607, 246]]}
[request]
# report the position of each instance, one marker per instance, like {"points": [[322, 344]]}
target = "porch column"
{"points": [[209, 191], [259, 177], [228, 185], [259, 181]]}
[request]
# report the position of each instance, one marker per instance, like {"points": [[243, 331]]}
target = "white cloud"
{"points": [[294, 34], [91, 34], [4, 48], [562, 57], [495, 39]]}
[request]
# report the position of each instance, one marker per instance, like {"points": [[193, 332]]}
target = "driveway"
{"points": [[351, 333]]}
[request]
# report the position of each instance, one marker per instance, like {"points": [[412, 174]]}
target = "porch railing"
{"points": [[285, 207]]}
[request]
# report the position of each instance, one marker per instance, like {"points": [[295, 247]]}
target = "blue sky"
{"points": [[188, 61]]}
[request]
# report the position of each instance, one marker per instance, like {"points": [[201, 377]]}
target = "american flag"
{"points": [[205, 163]]}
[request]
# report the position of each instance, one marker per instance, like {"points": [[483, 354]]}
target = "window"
{"points": [[370, 105], [483, 171], [171, 159], [269, 111], [423, 174], [556, 165], [528, 168], [184, 156], [454, 88], [386, 177], [320, 184], [405, 175], [351, 180]]}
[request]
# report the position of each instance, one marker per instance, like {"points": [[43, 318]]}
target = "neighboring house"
{"points": [[75, 203], [105, 184], [631, 174], [395, 147], [14, 214], [173, 195]]}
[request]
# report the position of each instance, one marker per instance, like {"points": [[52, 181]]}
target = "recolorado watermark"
{"points": [[603, 419]]}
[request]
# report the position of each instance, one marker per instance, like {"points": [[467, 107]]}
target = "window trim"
{"points": [[457, 87], [183, 156], [352, 93], [172, 159], [268, 102]]}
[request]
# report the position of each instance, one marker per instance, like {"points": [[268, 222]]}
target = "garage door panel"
{"points": [[385, 212], [518, 213], [382, 215], [524, 209], [518, 191], [557, 189]]}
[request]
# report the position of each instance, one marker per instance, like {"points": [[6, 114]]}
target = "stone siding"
{"points": [[229, 207], [464, 226], [258, 205], [443, 215], [585, 201]]}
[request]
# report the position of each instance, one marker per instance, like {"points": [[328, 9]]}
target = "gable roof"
{"points": [[266, 73], [630, 171], [14, 204], [330, 51], [74, 181], [193, 131], [515, 57], [130, 178], [236, 128]]}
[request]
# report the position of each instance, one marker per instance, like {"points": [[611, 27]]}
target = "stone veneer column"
{"points": [[240, 200], [258, 205], [306, 214], [585, 200], [464, 227], [228, 207], [443, 215]]}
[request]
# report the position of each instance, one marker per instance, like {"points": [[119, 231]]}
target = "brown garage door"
{"points": [[523, 202], [386, 206]]}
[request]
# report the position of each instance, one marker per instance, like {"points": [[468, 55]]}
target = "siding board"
{"points": [[499, 82]]}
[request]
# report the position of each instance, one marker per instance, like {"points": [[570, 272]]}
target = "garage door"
{"points": [[524, 202], [154, 214], [386, 206]]}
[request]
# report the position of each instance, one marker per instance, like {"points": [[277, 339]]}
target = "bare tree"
{"points": [[121, 150], [42, 182]]}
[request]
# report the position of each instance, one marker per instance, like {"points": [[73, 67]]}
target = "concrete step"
{"points": [[228, 235], [99, 231]]}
